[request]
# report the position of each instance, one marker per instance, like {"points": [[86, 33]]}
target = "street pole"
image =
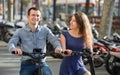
{"points": [[14, 9], [9, 11], [99, 8], [3, 16], [21, 9], [66, 8], [87, 6], [54, 10], [118, 8]]}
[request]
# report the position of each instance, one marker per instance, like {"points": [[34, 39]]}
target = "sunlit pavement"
{"points": [[3, 44]]}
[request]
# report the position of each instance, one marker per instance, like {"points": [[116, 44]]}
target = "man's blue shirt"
{"points": [[30, 40]]}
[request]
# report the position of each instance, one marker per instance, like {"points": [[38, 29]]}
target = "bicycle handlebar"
{"points": [[32, 55], [85, 52]]}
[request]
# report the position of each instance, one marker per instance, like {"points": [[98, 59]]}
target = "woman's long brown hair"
{"points": [[84, 28]]}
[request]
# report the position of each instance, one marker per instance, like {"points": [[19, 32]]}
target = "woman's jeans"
{"points": [[28, 68]]}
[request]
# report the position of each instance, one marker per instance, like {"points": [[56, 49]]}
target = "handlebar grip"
{"points": [[23, 53], [74, 53], [13, 52], [64, 52]]}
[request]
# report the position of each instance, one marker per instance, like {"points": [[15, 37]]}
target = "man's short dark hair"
{"points": [[32, 8]]}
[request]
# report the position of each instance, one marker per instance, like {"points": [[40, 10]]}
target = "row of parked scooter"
{"points": [[109, 54], [7, 29]]}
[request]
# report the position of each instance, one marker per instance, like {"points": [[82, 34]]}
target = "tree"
{"points": [[106, 19], [9, 12]]}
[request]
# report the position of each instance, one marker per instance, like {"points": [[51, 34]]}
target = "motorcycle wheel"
{"points": [[7, 37], [115, 71], [115, 67], [85, 61], [98, 62], [109, 65]]}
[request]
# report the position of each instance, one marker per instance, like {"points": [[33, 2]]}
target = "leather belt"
{"points": [[30, 60]]}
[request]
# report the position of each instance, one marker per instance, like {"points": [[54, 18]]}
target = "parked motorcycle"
{"points": [[112, 60], [6, 30], [56, 28], [112, 63], [103, 45], [100, 60], [114, 38]]}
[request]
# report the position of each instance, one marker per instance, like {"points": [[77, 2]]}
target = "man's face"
{"points": [[34, 17]]}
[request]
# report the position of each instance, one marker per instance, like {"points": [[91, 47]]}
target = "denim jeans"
{"points": [[28, 68]]}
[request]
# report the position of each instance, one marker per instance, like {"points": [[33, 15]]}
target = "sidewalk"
{"points": [[2, 43]]}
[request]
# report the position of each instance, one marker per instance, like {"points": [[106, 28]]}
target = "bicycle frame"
{"points": [[36, 59]]}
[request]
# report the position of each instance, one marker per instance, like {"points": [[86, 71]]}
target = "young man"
{"points": [[31, 37]]}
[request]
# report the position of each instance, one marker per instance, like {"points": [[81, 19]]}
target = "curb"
{"points": [[49, 58], [3, 44]]}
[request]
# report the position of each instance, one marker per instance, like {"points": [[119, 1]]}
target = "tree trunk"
{"points": [[38, 4], [106, 19], [9, 11]]}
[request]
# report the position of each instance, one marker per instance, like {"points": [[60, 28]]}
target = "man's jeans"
{"points": [[28, 68]]}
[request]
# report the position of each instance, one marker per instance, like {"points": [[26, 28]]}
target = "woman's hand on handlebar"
{"points": [[63, 52], [17, 51]]}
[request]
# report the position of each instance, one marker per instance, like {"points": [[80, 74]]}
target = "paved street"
{"points": [[9, 64]]}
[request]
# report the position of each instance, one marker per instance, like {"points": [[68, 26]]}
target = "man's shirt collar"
{"points": [[27, 28]]}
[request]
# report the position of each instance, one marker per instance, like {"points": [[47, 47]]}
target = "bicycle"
{"points": [[88, 55], [36, 56]]}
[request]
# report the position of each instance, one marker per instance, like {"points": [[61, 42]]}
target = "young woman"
{"points": [[76, 39]]}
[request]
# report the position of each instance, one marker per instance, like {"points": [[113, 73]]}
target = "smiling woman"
{"points": [[76, 39]]}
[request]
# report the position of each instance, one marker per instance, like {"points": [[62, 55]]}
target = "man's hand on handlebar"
{"points": [[58, 50], [66, 52], [17, 51]]}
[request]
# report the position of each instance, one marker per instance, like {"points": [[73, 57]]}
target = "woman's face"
{"points": [[73, 23]]}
